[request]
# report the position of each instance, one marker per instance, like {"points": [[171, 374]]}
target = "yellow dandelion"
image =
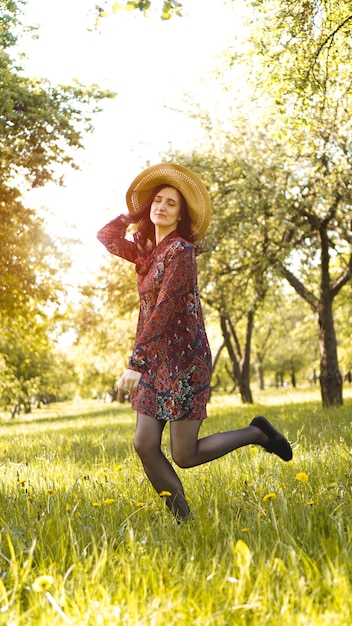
{"points": [[68, 507], [21, 482], [50, 491], [140, 504], [269, 496], [302, 477], [165, 494], [96, 504], [42, 583], [118, 468], [54, 565], [109, 500], [310, 503], [245, 530]]}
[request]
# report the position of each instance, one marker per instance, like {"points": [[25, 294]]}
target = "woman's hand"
{"points": [[128, 382]]}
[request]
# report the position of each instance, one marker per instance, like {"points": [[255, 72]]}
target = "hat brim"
{"points": [[187, 182]]}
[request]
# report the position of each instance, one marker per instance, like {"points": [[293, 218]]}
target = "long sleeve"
{"points": [[112, 236]]}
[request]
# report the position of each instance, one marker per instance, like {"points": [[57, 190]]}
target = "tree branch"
{"points": [[324, 43], [344, 277], [302, 291]]}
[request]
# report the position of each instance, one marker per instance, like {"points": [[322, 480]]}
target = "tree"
{"points": [[315, 116], [296, 117], [236, 273], [40, 124], [105, 323], [285, 346], [40, 128]]}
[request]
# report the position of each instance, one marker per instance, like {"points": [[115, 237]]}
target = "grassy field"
{"points": [[85, 541]]}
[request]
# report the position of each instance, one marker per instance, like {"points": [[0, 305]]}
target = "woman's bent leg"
{"points": [[189, 451], [147, 442]]}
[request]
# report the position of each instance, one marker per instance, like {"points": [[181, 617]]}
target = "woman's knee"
{"points": [[142, 446], [184, 442], [182, 458], [147, 437]]}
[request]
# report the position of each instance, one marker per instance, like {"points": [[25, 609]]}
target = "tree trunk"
{"points": [[215, 362], [293, 376], [240, 366], [330, 376], [258, 365]]}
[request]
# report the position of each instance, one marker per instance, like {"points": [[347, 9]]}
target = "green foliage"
{"points": [[30, 260], [270, 543], [285, 346], [278, 164], [168, 9], [41, 126], [105, 323]]}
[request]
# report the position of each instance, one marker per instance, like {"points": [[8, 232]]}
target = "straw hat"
{"points": [[183, 179]]}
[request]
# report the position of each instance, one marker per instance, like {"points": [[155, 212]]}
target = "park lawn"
{"points": [[270, 542]]}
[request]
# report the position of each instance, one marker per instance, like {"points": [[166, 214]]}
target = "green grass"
{"points": [[75, 505]]}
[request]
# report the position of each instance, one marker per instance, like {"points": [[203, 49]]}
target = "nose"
{"points": [[161, 208]]}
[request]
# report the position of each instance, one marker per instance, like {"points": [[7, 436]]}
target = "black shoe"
{"points": [[277, 443]]}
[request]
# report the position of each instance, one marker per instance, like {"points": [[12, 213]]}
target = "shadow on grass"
{"points": [[113, 411]]}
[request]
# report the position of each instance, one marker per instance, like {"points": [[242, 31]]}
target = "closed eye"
{"points": [[170, 201]]}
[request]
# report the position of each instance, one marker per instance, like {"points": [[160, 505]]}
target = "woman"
{"points": [[168, 374]]}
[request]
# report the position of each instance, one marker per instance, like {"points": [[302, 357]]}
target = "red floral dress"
{"points": [[171, 348]]}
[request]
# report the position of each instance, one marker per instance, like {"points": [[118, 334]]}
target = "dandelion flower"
{"points": [[269, 496], [109, 500], [118, 468], [42, 583], [302, 477], [245, 530], [310, 503], [50, 491], [95, 503], [165, 494]]}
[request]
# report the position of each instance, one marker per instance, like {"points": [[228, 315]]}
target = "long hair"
{"points": [[146, 228]]}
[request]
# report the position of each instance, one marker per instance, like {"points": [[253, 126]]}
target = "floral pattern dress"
{"points": [[171, 348]]}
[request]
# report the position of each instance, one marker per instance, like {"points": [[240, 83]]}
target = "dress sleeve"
{"points": [[112, 236], [175, 299]]}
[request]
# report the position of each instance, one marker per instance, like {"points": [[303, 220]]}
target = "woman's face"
{"points": [[165, 209]]}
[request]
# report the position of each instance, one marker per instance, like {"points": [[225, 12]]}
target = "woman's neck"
{"points": [[161, 233]]}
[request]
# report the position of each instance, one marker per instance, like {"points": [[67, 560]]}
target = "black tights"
{"points": [[187, 451]]}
